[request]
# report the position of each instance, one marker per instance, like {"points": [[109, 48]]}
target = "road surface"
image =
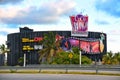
{"points": [[15, 76]]}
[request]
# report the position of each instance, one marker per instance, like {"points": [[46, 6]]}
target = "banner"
{"points": [[89, 46], [79, 25]]}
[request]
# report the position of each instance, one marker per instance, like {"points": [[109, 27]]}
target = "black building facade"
{"points": [[26, 41]]}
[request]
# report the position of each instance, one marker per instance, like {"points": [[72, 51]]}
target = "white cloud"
{"points": [[46, 13], [113, 46], [7, 13], [4, 30], [3, 39]]}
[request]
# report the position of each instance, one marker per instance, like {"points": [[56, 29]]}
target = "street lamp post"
{"points": [[80, 57], [79, 53], [24, 64]]}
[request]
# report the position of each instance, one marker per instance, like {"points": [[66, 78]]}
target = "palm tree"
{"points": [[117, 57], [49, 47], [107, 58], [3, 49], [110, 59]]}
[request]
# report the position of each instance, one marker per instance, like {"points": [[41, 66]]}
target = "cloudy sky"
{"points": [[104, 16]]}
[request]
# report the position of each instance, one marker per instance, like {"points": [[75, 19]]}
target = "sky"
{"points": [[47, 15]]}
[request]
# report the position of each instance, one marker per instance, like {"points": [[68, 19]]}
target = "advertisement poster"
{"points": [[79, 25], [87, 46], [92, 47]]}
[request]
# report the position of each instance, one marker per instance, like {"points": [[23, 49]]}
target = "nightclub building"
{"points": [[27, 41]]}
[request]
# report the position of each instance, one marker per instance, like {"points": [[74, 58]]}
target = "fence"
{"points": [[66, 68]]}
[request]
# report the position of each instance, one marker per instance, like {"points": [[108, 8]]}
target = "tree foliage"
{"points": [[85, 60], [75, 50], [63, 58], [3, 49], [49, 47], [111, 59], [21, 61]]}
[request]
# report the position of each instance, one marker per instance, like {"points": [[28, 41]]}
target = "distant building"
{"points": [[27, 41]]}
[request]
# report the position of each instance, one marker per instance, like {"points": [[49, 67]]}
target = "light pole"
{"points": [[79, 53], [24, 64], [80, 57]]}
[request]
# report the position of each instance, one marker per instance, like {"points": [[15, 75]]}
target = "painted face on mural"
{"points": [[66, 44]]}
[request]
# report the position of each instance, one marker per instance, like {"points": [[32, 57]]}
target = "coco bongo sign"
{"points": [[79, 25]]}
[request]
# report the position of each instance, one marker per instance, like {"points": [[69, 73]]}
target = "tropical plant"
{"points": [[75, 50], [20, 61], [117, 57], [111, 59], [107, 58], [75, 59], [85, 60], [3, 49], [61, 58], [49, 47]]}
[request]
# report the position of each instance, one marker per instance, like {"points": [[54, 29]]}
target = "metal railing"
{"points": [[66, 68]]}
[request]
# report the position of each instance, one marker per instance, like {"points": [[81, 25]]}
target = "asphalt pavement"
{"points": [[16, 76]]}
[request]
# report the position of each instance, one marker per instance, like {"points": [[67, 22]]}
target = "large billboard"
{"points": [[88, 46], [79, 25]]}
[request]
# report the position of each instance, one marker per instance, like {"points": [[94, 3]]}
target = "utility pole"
{"points": [[79, 53], [80, 57], [24, 60]]}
